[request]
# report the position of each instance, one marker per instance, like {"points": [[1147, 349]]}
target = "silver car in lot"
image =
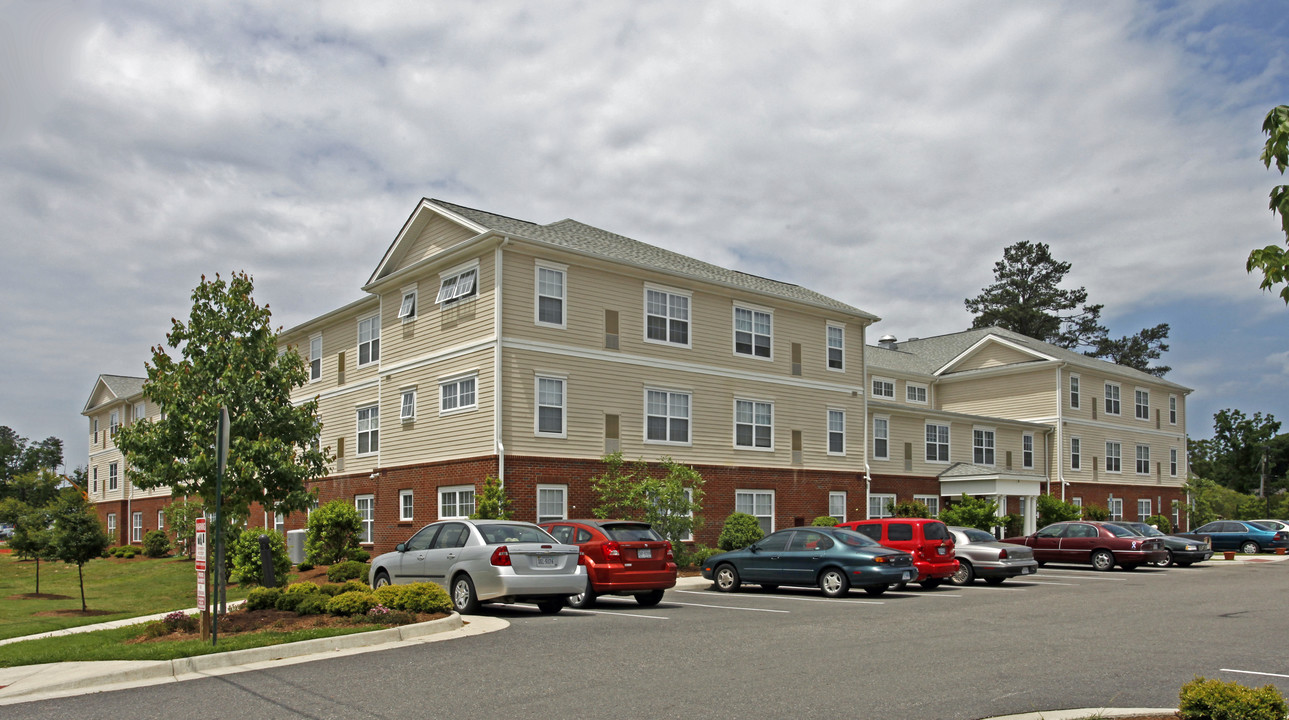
{"points": [[483, 561], [981, 555]]}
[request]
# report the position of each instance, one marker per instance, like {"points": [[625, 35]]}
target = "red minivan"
{"points": [[622, 557], [927, 540]]}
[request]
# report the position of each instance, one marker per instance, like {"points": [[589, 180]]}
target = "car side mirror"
{"points": [[753, 548], [401, 547]]}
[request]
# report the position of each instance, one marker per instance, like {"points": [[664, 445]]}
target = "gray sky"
{"points": [[880, 153]]}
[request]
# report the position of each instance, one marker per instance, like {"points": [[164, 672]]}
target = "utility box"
{"points": [[295, 545]]}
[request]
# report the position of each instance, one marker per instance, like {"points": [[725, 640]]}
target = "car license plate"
{"points": [[940, 550], [908, 575], [1027, 571], [644, 553], [546, 561]]}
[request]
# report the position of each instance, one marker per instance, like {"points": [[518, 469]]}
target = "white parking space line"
{"points": [[732, 607], [1252, 672], [1072, 574], [799, 597], [617, 614], [991, 588], [914, 593], [1046, 582]]}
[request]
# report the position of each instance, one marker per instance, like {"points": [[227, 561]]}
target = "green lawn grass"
{"points": [[124, 588]]}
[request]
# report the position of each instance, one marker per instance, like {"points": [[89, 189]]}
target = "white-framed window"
{"points": [[1172, 409], [136, 527], [366, 507], [548, 419], [369, 340], [881, 437], [836, 432], [279, 522], [667, 317], [315, 358], [457, 394], [111, 476], [1111, 398], [140, 411], [456, 502], [111, 525], [406, 505], [1143, 509], [754, 424], [937, 443], [667, 417], [552, 502], [1076, 453], [837, 506], [836, 347], [932, 503], [1074, 391], [1113, 457], [880, 506], [1143, 459], [161, 519], [1142, 403], [759, 504], [548, 306], [113, 422], [753, 332], [458, 285], [1176, 514], [407, 308], [94, 478], [1172, 462], [407, 405], [982, 446], [1115, 508], [1077, 501], [1027, 450], [369, 430], [915, 393], [883, 388]]}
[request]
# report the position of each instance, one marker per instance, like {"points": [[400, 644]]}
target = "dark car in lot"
{"points": [[927, 540], [1180, 550], [1100, 544], [981, 555], [622, 557], [833, 559], [1244, 536]]}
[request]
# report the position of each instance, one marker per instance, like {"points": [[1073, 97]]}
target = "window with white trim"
{"points": [[1143, 509], [551, 294], [1111, 398], [1074, 391], [1115, 508], [552, 502], [456, 502], [759, 504], [369, 430], [111, 476], [315, 358], [458, 286], [982, 446], [406, 505], [837, 506], [753, 332], [549, 417], [1113, 457], [161, 519], [1172, 462], [1143, 459], [366, 507], [915, 393], [140, 411], [932, 503], [113, 422], [883, 388], [836, 347], [1172, 409], [407, 308], [667, 417], [881, 437], [754, 424], [1176, 513], [136, 527], [94, 476], [881, 506], [407, 405], [111, 525], [279, 522], [937, 442], [369, 340], [836, 432], [1077, 501], [1142, 403], [457, 394], [666, 317], [1076, 453], [1027, 450]]}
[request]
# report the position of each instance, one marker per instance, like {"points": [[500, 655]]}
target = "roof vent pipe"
{"points": [[887, 341]]}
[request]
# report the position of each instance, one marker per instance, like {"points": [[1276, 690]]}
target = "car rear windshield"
{"points": [[1118, 531], [496, 534], [977, 536], [854, 539], [935, 531], [631, 533]]}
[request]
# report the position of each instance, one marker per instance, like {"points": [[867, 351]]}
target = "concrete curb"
{"points": [[1081, 714]]}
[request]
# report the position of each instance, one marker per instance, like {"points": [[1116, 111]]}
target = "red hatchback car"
{"points": [[622, 557], [928, 541]]}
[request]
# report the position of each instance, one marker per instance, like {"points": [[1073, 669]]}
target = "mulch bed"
{"points": [[249, 621]]}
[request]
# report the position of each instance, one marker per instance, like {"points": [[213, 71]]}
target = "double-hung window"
{"points": [[837, 506], [407, 405], [836, 432], [368, 430], [881, 438], [406, 505], [368, 340], [458, 285], [366, 507], [1074, 392], [1172, 462], [136, 527], [1112, 398], [1172, 409], [1143, 509], [111, 476], [883, 388], [881, 506], [937, 442], [1142, 404], [550, 294], [666, 317], [759, 504], [1116, 508], [1027, 450], [549, 418], [1076, 453], [457, 394], [753, 332], [753, 424], [932, 503], [1113, 457], [1143, 459], [667, 416], [140, 411], [836, 347], [456, 502], [915, 393], [111, 525], [315, 358], [407, 308], [552, 502], [113, 422], [982, 446]]}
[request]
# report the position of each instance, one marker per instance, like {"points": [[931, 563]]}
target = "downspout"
{"points": [[498, 445], [863, 388], [1060, 440]]}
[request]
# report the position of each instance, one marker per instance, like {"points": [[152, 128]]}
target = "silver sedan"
{"points": [[483, 561], [980, 555]]}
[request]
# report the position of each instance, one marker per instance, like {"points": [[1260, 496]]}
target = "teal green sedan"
{"points": [[831, 559]]}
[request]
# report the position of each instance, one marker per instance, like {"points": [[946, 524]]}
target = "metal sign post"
{"points": [[221, 460]]}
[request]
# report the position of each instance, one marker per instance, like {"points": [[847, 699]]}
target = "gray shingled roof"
{"points": [[122, 386], [583, 238], [924, 356], [967, 470]]}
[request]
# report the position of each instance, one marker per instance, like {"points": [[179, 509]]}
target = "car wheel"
{"points": [[931, 584], [1167, 561], [1249, 547], [649, 599], [727, 578], [550, 607], [964, 575], [994, 580], [584, 599], [876, 590], [463, 597], [769, 587], [1102, 560], [382, 579], [833, 583]]}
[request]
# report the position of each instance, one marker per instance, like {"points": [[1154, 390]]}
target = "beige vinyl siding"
{"points": [[911, 429], [596, 387], [433, 436], [1014, 395], [1094, 437], [438, 235], [436, 326], [339, 335], [1092, 393], [992, 355]]}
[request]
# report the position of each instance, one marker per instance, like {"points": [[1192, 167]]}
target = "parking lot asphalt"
{"points": [[809, 609]]}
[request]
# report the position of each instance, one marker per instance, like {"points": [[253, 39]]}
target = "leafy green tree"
{"points": [[1233, 456], [31, 536], [1135, 351], [492, 503], [332, 532], [1053, 509], [77, 536], [912, 509], [671, 504], [979, 513], [1272, 260], [19, 457], [227, 356], [181, 520], [30, 490], [1095, 512]]}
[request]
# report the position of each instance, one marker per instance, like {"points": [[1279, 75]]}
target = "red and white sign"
{"points": [[200, 563], [201, 593]]}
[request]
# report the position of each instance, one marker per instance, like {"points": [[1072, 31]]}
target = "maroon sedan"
{"points": [[622, 557], [1101, 544]]}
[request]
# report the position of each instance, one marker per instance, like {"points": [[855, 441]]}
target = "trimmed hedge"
{"points": [[739, 531], [1203, 699], [347, 570], [354, 602]]}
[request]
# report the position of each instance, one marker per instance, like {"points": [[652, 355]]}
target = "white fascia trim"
{"points": [[451, 353], [339, 392], [976, 374], [991, 339], [325, 317], [402, 236]]}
